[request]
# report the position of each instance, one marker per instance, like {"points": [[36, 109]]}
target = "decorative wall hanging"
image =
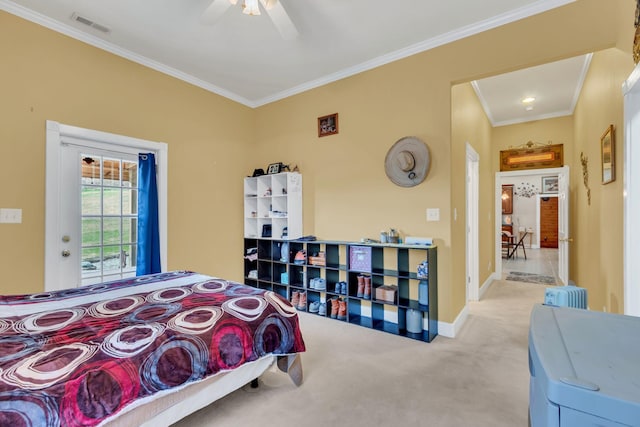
{"points": [[636, 37], [607, 148], [526, 189], [532, 155], [549, 184], [585, 175], [328, 125], [407, 162]]}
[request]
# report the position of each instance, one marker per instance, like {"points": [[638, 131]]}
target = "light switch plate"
{"points": [[10, 216], [433, 214]]}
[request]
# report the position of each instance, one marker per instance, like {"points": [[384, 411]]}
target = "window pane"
{"points": [[111, 261], [91, 232], [129, 202], [129, 174], [111, 198], [111, 172], [90, 169], [129, 230], [91, 201], [90, 261], [128, 260], [111, 231]]}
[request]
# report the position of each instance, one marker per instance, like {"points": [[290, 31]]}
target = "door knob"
{"points": [[66, 253], [566, 239]]}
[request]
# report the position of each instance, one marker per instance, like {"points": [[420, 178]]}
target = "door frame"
{"points": [[631, 191], [471, 226], [55, 132], [498, 210]]}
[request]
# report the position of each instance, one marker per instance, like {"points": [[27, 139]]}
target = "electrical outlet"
{"points": [[10, 216], [433, 214]]}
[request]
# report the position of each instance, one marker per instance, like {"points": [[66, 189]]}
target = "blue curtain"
{"points": [[148, 229]]}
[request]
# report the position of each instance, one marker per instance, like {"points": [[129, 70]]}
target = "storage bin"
{"points": [[360, 258], [386, 293]]}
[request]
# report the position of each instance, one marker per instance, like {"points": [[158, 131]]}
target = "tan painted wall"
{"points": [[214, 142], [596, 257], [557, 131], [48, 76], [469, 123]]}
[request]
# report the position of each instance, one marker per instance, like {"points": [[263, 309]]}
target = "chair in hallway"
{"points": [[508, 244], [519, 244]]}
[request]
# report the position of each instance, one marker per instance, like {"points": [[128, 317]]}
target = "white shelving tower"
{"points": [[274, 200]]}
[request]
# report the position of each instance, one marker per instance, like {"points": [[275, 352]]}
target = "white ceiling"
{"points": [[244, 58]]}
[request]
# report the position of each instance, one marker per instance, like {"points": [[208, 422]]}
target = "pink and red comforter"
{"points": [[80, 356]]}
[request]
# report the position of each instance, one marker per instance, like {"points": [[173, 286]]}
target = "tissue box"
{"points": [[386, 293]]}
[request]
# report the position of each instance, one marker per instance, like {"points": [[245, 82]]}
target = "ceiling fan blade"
{"points": [[281, 19], [216, 9]]}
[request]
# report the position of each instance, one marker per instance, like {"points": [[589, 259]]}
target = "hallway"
{"points": [[540, 262]]}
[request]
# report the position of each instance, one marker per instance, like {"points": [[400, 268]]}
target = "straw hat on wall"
{"points": [[407, 162]]}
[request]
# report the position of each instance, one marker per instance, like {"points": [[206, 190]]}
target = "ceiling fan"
{"points": [[274, 9]]}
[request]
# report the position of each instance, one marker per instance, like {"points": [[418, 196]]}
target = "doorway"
{"points": [[522, 225]]}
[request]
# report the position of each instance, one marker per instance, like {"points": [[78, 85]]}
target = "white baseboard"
{"points": [[450, 330], [487, 283]]}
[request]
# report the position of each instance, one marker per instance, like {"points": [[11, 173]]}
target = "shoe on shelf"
{"points": [[342, 309], [321, 284], [338, 287], [322, 310], [334, 307], [343, 288], [302, 303], [314, 307], [295, 298], [360, 293], [367, 287]]}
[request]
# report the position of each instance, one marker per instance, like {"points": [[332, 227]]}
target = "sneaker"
{"points": [[343, 288], [314, 307], [320, 284], [322, 310], [338, 287]]}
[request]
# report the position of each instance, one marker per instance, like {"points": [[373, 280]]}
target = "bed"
{"points": [[150, 349]]}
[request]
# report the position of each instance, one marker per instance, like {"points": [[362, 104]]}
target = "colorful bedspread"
{"points": [[79, 356]]}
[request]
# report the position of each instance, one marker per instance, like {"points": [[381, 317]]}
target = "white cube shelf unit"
{"points": [[273, 202]]}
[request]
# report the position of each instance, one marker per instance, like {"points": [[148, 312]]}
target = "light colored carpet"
{"points": [[359, 377]]}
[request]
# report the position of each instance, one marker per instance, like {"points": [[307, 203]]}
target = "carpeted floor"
{"points": [[518, 276], [360, 377]]}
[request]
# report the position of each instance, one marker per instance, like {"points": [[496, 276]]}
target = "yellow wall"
{"points": [[48, 76], [469, 123], [557, 131], [597, 250], [214, 142]]}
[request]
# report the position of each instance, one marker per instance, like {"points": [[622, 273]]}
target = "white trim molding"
{"points": [[450, 330]]}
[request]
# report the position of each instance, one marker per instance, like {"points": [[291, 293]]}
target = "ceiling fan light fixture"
{"points": [[250, 7], [528, 99]]}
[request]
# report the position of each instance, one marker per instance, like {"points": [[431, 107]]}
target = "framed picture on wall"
{"points": [[549, 184], [607, 146], [328, 125]]}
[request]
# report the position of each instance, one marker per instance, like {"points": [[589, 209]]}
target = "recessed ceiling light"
{"points": [[528, 100], [529, 108]]}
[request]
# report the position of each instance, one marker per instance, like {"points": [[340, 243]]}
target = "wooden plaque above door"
{"points": [[531, 157]]}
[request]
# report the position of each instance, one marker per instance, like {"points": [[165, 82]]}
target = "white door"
{"points": [[563, 225], [98, 215], [91, 205], [473, 273]]}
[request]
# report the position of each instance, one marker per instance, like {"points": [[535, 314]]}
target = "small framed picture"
{"points": [[328, 125], [607, 145], [549, 184], [274, 168]]}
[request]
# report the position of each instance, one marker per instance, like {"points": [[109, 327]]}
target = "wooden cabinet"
{"points": [[390, 268], [507, 199]]}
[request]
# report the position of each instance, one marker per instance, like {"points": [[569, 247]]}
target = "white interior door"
{"points": [[472, 196], [563, 225]]}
